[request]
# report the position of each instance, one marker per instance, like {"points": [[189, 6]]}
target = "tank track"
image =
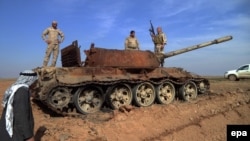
{"points": [[71, 111]]}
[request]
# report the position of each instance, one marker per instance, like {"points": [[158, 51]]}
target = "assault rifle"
{"points": [[151, 30]]}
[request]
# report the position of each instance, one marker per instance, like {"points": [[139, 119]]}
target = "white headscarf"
{"points": [[25, 79]]}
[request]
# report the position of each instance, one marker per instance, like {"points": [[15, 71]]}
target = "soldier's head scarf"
{"points": [[26, 78], [54, 22]]}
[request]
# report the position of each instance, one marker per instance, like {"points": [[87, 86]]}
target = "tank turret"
{"points": [[100, 57]]}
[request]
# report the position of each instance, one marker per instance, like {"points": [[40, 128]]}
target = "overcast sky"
{"points": [[108, 22]]}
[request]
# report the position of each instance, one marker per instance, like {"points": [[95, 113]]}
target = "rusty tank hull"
{"points": [[112, 78], [88, 88]]}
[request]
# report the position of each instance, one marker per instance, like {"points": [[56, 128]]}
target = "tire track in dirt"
{"points": [[219, 104]]}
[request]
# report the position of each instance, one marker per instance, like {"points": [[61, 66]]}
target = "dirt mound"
{"points": [[204, 119]]}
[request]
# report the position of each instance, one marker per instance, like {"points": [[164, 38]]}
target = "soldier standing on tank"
{"points": [[53, 37], [131, 42], [160, 40]]}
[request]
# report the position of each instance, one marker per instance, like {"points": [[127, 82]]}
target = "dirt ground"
{"points": [[204, 119]]}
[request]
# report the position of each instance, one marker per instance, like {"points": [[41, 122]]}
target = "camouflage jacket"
{"points": [[55, 36], [160, 39], [131, 43]]}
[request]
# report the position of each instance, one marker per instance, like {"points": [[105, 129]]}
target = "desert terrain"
{"points": [[205, 119]]}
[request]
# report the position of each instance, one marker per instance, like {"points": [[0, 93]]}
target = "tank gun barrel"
{"points": [[216, 41]]}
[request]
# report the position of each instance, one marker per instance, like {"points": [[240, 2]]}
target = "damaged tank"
{"points": [[115, 78]]}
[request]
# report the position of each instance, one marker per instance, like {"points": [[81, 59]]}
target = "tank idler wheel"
{"points": [[203, 87], [165, 93], [59, 97], [188, 91], [144, 94], [119, 95], [88, 99]]}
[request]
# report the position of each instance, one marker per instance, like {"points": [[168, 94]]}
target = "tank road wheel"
{"points": [[165, 93], [144, 94], [88, 99], [59, 97], [188, 91], [119, 95]]}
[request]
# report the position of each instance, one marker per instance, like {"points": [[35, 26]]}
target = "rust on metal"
{"points": [[100, 57], [70, 55]]}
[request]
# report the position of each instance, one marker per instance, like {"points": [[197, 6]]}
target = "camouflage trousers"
{"points": [[52, 48], [159, 48]]}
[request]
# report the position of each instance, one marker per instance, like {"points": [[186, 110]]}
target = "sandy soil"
{"points": [[204, 119]]}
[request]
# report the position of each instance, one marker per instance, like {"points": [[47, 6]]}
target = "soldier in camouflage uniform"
{"points": [[131, 42], [53, 37], [160, 40]]}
